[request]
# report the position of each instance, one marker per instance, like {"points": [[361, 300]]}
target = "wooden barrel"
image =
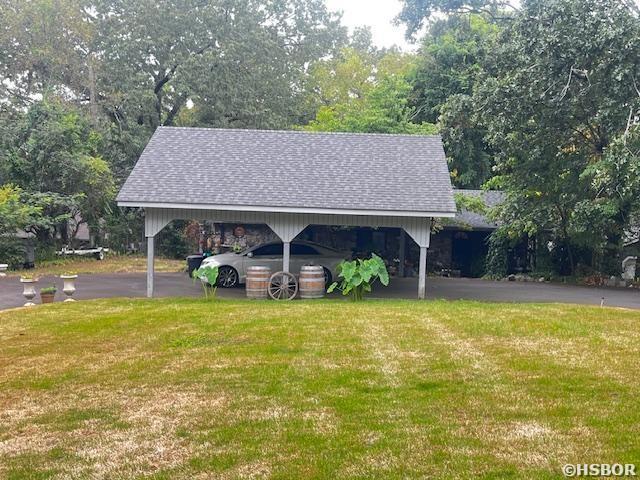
{"points": [[312, 281], [258, 281]]}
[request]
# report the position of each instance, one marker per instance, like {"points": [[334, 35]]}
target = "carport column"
{"points": [[155, 219], [286, 256], [287, 226], [150, 265], [422, 274], [420, 230]]}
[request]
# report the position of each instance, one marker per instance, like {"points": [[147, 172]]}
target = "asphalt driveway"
{"points": [[178, 284]]}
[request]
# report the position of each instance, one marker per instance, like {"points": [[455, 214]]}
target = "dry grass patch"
{"points": [[111, 264]]}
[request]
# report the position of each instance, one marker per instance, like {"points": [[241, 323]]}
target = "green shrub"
{"points": [[497, 264], [11, 252], [48, 290]]}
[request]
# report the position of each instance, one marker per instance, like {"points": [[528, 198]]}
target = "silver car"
{"points": [[233, 266]]}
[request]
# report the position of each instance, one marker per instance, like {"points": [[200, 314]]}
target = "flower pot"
{"points": [[69, 287], [3, 268], [47, 297], [29, 290]]}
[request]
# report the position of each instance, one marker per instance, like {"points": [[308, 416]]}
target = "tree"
{"points": [[415, 12], [378, 102], [238, 63], [51, 153], [450, 63], [562, 89], [15, 215], [44, 47]]}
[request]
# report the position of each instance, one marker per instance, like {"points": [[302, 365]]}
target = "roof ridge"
{"points": [[212, 129]]}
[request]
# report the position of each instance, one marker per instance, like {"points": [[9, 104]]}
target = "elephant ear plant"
{"points": [[358, 276], [208, 276]]}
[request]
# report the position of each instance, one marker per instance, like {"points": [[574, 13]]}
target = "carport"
{"points": [[289, 180]]}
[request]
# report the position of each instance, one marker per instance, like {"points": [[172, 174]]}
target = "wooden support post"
{"points": [[422, 274], [150, 265], [286, 256], [402, 255]]}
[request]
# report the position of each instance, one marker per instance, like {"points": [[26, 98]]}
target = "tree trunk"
{"points": [[93, 102]]}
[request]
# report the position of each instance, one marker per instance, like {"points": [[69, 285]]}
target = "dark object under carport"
{"points": [[194, 262]]}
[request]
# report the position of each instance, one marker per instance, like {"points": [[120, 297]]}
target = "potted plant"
{"points": [[48, 294], [69, 287], [29, 291]]}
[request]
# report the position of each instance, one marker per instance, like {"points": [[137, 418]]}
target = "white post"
{"points": [[286, 255], [402, 254], [422, 274], [150, 265]]}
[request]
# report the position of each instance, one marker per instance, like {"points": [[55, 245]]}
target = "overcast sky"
{"points": [[378, 14]]}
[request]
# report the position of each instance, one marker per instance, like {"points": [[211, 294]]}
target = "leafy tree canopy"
{"points": [[415, 12], [450, 63], [361, 93], [50, 152], [558, 104]]}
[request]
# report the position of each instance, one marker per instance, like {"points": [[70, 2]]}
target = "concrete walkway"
{"points": [[178, 284]]}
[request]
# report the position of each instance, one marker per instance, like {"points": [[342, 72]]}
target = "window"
{"points": [[270, 250], [301, 249]]}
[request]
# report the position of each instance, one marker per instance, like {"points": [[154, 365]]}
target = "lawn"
{"points": [[182, 389], [111, 264]]}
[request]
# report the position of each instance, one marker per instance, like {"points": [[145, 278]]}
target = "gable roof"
{"points": [[478, 221], [291, 171]]}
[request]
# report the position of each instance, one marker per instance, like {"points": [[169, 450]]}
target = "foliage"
{"points": [[11, 251], [238, 63], [126, 229], [15, 214], [48, 290], [552, 116], [383, 108], [497, 261], [470, 203], [363, 91], [415, 12], [450, 62], [358, 276], [51, 153], [171, 242], [207, 275], [97, 78]]}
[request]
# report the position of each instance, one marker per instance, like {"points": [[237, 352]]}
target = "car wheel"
{"points": [[328, 278], [228, 277]]}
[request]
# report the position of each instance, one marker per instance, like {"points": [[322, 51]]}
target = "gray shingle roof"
{"points": [[336, 171], [476, 220]]}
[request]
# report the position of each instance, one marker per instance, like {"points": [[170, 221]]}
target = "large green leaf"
{"points": [[347, 270]]}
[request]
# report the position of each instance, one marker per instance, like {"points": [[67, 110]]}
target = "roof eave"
{"points": [[276, 209]]}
